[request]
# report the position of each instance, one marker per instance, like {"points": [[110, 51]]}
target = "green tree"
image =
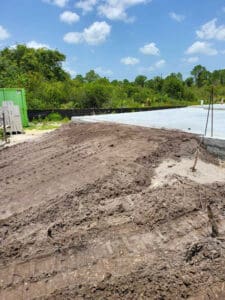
{"points": [[189, 81], [142, 96], [158, 83], [45, 61], [173, 87], [201, 75], [140, 80], [96, 95], [47, 84], [91, 76], [79, 78]]}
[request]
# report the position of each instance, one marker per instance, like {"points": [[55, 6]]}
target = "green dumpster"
{"points": [[18, 97]]}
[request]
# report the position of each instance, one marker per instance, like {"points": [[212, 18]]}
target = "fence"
{"points": [[69, 113]]}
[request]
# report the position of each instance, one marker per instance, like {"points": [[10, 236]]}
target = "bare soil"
{"points": [[28, 136], [80, 217]]}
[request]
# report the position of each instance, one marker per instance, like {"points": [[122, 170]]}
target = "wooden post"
{"points": [[195, 161], [4, 127]]}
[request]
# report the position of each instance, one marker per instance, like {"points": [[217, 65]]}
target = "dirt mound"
{"points": [[81, 219]]}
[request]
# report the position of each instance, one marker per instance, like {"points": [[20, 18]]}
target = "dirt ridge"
{"points": [[80, 220]]}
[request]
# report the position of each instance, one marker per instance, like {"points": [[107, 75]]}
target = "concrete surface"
{"points": [[215, 146], [190, 119]]}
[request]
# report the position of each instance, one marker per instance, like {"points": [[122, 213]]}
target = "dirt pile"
{"points": [[79, 218]]}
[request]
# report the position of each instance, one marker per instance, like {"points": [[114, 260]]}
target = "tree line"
{"points": [[48, 85]]}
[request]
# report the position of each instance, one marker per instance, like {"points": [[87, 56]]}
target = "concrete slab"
{"points": [[190, 119], [215, 146]]}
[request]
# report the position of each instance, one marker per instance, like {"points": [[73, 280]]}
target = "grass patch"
{"points": [[52, 121], [43, 126]]}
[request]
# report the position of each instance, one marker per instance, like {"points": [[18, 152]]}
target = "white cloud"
{"points": [[191, 60], [159, 64], [69, 17], [32, 44], [145, 70], [3, 33], [176, 17], [210, 31], [36, 45], [86, 5], [150, 49], [202, 48], [116, 9], [60, 3], [96, 33], [73, 37], [111, 9], [129, 60], [13, 46], [68, 69], [103, 72], [93, 35]]}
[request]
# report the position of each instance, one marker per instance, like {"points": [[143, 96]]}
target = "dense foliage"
{"points": [[41, 73]]}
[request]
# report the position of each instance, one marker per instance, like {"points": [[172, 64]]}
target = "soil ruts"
{"points": [[80, 220]]}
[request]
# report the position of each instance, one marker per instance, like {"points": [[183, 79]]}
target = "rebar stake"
{"points": [[196, 160]]}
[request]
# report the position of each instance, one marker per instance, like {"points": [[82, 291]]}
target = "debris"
{"points": [[193, 251], [49, 232]]}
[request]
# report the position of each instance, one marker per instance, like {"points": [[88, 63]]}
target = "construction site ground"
{"points": [[106, 211], [27, 136]]}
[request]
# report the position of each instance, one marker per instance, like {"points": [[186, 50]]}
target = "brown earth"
{"points": [[80, 220]]}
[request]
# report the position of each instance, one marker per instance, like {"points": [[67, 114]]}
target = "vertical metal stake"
{"points": [[207, 121], [212, 112]]}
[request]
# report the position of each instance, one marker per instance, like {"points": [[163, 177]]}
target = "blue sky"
{"points": [[121, 38]]}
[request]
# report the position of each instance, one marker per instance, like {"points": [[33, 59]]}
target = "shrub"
{"points": [[54, 117], [1, 134]]}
